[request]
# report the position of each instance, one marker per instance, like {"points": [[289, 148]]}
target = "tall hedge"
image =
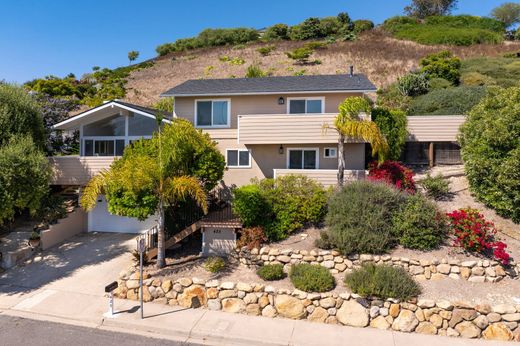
{"points": [[19, 115], [490, 141]]}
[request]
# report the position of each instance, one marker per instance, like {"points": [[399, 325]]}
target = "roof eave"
{"points": [[166, 94]]}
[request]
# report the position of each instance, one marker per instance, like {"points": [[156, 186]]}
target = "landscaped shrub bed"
{"points": [[271, 272], [436, 187], [382, 281], [373, 217], [281, 205], [475, 234], [311, 278], [393, 173], [360, 217]]}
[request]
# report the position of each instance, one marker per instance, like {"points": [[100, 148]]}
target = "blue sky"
{"points": [[42, 37]]}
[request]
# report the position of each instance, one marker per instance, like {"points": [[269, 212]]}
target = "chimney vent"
{"points": [[351, 70]]}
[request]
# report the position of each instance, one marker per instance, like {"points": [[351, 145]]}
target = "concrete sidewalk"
{"points": [[209, 327]]}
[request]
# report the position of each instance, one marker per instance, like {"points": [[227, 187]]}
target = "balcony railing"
{"points": [[77, 170], [286, 128], [326, 177]]}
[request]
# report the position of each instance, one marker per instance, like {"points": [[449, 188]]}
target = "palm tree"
{"points": [[350, 123], [138, 171]]}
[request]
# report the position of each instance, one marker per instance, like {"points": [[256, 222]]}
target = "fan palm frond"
{"points": [[368, 132], [94, 188], [179, 188]]}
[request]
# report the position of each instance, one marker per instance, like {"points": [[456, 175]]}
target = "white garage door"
{"points": [[100, 220]]}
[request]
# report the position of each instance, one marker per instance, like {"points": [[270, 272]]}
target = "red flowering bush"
{"points": [[474, 233], [393, 173]]}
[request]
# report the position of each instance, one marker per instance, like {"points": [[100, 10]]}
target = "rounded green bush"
{"points": [[250, 205], [419, 224], [436, 187], [360, 217], [311, 278], [382, 281], [214, 264], [271, 272]]}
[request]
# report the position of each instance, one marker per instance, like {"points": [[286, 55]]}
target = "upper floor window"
{"points": [[306, 105], [238, 158], [111, 126], [212, 113]]}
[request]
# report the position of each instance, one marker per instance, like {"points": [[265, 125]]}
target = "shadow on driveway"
{"points": [[83, 250]]}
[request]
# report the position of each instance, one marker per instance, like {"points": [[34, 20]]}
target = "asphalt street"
{"points": [[16, 331]]}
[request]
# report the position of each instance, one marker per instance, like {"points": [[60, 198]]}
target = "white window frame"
{"points": [[238, 166], [227, 126], [321, 98], [330, 148], [317, 150]]}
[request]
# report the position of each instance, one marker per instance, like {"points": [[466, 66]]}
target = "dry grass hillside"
{"points": [[382, 58]]}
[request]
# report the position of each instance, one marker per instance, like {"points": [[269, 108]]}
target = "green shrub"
{"points": [[301, 55], [360, 216], [271, 272], [362, 25], [391, 98], [436, 187], [254, 71], [281, 205], [442, 65], [250, 204], [439, 83], [311, 278], [490, 141], [266, 50], [413, 84], [501, 71], [309, 29], [382, 281], [459, 100], [450, 30], [277, 32], [419, 224], [214, 264], [392, 124]]}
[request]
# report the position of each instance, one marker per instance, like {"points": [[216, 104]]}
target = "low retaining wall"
{"points": [[74, 223], [423, 316], [474, 271]]}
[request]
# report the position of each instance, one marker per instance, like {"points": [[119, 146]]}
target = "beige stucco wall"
{"points": [[74, 223], [256, 104], [265, 158]]}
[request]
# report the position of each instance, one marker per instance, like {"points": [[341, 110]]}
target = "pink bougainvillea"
{"points": [[393, 173], [475, 234]]}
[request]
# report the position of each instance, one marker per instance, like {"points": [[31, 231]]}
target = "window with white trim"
{"points": [[306, 105], [302, 158], [330, 153], [239, 158], [212, 113]]}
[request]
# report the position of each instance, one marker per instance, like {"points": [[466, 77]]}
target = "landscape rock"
{"points": [[233, 305], [426, 328], [318, 315], [193, 297], [467, 329], [351, 313], [497, 331], [405, 322], [380, 323], [214, 304], [289, 307], [269, 311]]}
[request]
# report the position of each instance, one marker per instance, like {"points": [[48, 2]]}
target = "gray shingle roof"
{"points": [[273, 85]]}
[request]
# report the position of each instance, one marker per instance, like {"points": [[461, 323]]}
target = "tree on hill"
{"points": [[426, 8], [179, 163], [508, 13], [132, 55]]}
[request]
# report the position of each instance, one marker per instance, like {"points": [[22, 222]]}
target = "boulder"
{"points": [[250, 298], [289, 307], [244, 287], [467, 329], [394, 310], [328, 302], [214, 304], [167, 285], [405, 322], [185, 282], [263, 301], [193, 297], [494, 317], [504, 309], [269, 311], [436, 320], [460, 315], [351, 313], [426, 328], [380, 323], [497, 331], [233, 305], [425, 303], [318, 315], [253, 309], [481, 321], [444, 268], [212, 293]]}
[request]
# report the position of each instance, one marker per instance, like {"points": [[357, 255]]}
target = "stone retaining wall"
{"points": [[423, 316], [474, 271]]}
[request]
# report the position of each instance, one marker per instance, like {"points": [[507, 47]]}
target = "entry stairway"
{"points": [[222, 217]]}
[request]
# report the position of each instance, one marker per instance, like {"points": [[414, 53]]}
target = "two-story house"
{"points": [[265, 127]]}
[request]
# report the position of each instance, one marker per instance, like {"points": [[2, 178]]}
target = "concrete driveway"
{"points": [[82, 265]]}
